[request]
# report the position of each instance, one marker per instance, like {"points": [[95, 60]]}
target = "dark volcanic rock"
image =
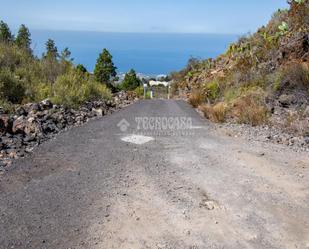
{"points": [[33, 123], [33, 107], [6, 123], [19, 125], [21, 111], [286, 100]]}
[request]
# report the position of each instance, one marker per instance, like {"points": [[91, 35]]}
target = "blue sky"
{"points": [[180, 16]]}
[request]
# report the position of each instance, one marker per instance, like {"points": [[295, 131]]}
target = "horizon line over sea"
{"points": [[147, 53], [15, 30]]}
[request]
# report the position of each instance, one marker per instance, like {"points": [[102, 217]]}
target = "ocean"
{"points": [[149, 54]]}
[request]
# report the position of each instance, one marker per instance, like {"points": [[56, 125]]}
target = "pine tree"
{"points": [[51, 63], [5, 33], [66, 54], [105, 70], [131, 81], [23, 39], [66, 60], [81, 68], [51, 49]]}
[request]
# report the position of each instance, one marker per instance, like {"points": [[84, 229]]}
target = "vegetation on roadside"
{"points": [[105, 70], [131, 82], [26, 78], [246, 83]]}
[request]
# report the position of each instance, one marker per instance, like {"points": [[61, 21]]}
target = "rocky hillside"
{"points": [[262, 79], [31, 124]]}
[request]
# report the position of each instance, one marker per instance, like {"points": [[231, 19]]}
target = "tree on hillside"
{"points": [[81, 68], [66, 60], [51, 65], [66, 54], [51, 49], [131, 81], [23, 39], [5, 33], [105, 69]]}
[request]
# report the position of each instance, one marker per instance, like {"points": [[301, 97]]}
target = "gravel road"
{"points": [[97, 186]]}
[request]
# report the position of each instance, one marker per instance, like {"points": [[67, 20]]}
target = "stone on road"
{"points": [[105, 185]]}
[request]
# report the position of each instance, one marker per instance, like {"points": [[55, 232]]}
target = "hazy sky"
{"points": [[181, 16]]}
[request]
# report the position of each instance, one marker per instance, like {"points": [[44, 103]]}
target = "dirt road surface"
{"points": [[98, 187]]}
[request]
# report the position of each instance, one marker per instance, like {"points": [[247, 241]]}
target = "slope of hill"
{"points": [[261, 79]]}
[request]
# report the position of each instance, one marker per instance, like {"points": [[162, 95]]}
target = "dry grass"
{"points": [[296, 123], [216, 113], [297, 75], [196, 99], [248, 110]]}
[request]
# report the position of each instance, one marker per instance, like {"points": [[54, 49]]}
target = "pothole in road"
{"points": [[208, 204], [137, 139]]}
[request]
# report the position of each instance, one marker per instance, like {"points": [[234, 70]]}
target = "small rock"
{"points": [[6, 123], [20, 111], [98, 112], [28, 150], [2, 165], [33, 107], [19, 125], [286, 100], [46, 104]]}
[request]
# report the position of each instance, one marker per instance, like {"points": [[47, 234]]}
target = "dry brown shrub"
{"points": [[216, 113], [298, 15], [196, 98], [296, 75], [248, 110]]}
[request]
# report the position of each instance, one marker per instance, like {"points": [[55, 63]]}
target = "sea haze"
{"points": [[150, 54]]}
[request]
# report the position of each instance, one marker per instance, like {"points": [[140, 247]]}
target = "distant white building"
{"points": [[158, 83]]}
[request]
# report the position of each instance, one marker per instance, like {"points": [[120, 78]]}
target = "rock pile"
{"points": [[266, 133], [34, 123]]}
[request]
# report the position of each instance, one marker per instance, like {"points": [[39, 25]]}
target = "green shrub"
{"points": [[148, 96], [6, 106], [190, 74], [81, 68], [283, 28], [231, 94], [278, 17], [25, 78], [131, 81], [11, 88], [277, 79], [139, 91], [212, 90], [74, 88], [41, 91]]}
